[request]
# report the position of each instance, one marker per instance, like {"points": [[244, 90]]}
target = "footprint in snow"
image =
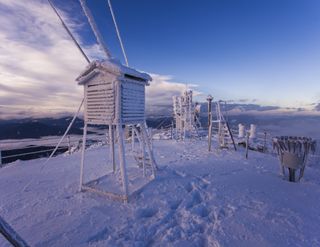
{"points": [[200, 210], [146, 212], [174, 204], [188, 187], [194, 199]]}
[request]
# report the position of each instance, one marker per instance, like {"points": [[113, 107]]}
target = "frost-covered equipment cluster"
{"points": [[115, 96], [224, 133], [186, 115], [293, 153]]}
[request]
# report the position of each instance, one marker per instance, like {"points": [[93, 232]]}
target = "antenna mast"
{"points": [[94, 28], [68, 31], [118, 32]]}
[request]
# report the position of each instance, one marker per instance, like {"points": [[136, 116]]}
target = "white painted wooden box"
{"points": [[113, 93]]}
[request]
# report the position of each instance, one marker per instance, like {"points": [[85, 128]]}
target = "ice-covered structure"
{"points": [[293, 153], [115, 96], [224, 133], [186, 115]]}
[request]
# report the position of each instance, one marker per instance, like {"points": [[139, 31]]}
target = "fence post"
{"points": [[265, 142], [0, 158], [171, 130], [69, 145], [247, 144]]}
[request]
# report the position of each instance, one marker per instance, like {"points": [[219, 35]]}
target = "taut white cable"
{"points": [[118, 33], [94, 28], [56, 148], [68, 31]]}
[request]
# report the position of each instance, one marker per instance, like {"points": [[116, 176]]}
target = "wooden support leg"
{"points": [[112, 152], [84, 139], [122, 158], [292, 173], [301, 172]]}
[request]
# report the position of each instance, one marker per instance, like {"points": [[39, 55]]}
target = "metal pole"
{"points": [[210, 137], [209, 110], [209, 99]]}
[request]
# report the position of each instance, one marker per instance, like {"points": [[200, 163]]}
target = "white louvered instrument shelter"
{"points": [[114, 93], [115, 96]]}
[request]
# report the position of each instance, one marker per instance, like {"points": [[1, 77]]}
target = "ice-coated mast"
{"points": [[69, 32], [94, 28], [118, 33]]}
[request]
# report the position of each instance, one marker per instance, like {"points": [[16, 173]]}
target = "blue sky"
{"points": [[236, 49], [249, 51]]}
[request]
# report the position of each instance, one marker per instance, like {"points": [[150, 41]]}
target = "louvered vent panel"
{"points": [[100, 103], [132, 102]]}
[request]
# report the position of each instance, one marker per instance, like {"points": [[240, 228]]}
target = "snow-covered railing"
{"points": [[12, 237], [251, 139], [11, 150], [29, 153]]}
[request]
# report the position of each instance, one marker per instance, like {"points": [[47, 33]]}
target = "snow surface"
{"points": [[197, 199]]}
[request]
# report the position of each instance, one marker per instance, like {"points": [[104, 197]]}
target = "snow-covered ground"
{"points": [[197, 199]]}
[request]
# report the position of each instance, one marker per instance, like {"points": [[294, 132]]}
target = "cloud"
{"points": [[162, 88], [39, 64], [317, 107], [160, 92], [38, 60]]}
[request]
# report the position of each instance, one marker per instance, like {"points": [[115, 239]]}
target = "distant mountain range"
{"points": [[36, 128], [238, 109], [285, 124]]}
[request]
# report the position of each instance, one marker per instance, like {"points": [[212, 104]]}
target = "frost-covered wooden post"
{"points": [[209, 99], [115, 97], [69, 145], [265, 142]]}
